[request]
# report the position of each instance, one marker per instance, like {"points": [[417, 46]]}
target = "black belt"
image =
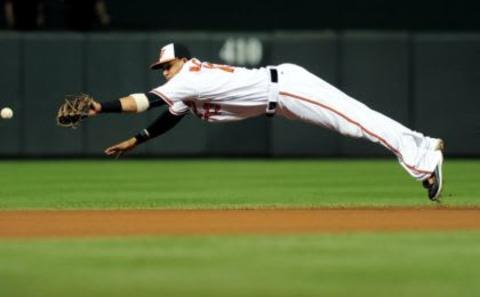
{"points": [[272, 104], [273, 75]]}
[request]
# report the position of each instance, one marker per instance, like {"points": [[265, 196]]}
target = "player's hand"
{"points": [[122, 147], [95, 109]]}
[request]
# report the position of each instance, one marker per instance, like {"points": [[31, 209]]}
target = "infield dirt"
{"points": [[26, 224]]}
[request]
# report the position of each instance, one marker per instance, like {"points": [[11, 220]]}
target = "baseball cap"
{"points": [[170, 52]]}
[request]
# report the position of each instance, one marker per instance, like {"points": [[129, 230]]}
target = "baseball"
{"points": [[6, 113]]}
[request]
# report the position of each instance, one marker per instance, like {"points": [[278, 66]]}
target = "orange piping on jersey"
{"points": [[164, 98], [396, 152]]}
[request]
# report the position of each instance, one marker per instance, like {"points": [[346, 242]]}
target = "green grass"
{"points": [[225, 184], [360, 264], [368, 264]]}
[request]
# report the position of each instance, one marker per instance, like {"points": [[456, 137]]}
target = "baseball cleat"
{"points": [[434, 183], [439, 145]]}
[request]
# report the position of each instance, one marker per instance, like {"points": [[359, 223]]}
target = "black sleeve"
{"points": [[115, 106], [162, 124], [155, 100]]}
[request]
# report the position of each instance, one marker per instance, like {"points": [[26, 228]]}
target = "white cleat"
{"points": [[434, 184], [439, 145]]}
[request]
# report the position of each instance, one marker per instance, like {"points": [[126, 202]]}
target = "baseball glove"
{"points": [[74, 110]]}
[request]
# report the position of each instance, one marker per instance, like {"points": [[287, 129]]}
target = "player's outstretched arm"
{"points": [[125, 104], [78, 107], [162, 124], [134, 103]]}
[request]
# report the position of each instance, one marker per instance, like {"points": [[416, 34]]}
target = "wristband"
{"points": [[112, 106], [142, 136]]}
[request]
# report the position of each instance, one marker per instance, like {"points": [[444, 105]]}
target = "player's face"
{"points": [[170, 69]]}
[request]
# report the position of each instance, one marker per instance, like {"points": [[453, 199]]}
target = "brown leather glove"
{"points": [[74, 110]]}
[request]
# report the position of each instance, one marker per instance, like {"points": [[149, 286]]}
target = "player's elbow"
{"points": [[136, 103]]}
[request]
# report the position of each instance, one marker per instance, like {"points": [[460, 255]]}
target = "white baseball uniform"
{"points": [[224, 93]]}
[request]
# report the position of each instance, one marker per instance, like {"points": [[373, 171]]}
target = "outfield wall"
{"points": [[427, 81]]}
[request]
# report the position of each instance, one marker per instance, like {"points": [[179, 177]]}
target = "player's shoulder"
{"points": [[193, 66], [186, 72]]}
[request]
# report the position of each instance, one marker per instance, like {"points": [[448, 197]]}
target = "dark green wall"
{"points": [[273, 15], [429, 82], [297, 15]]}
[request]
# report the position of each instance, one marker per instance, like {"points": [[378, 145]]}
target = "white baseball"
{"points": [[6, 113]]}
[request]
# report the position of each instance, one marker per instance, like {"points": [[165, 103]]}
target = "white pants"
{"points": [[304, 96]]}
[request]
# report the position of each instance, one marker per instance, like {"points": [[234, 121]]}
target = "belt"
{"points": [[272, 92]]}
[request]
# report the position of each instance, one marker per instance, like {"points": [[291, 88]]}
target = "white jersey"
{"points": [[224, 93], [216, 92]]}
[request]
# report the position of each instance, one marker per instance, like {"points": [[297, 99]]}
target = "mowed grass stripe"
{"points": [[192, 184], [405, 264]]}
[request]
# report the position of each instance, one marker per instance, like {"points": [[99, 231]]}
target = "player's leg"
{"points": [[306, 97]]}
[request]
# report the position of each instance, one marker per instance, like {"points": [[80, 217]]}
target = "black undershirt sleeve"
{"points": [[162, 124], [155, 100]]}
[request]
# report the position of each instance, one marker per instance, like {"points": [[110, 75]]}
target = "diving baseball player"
{"points": [[217, 93]]}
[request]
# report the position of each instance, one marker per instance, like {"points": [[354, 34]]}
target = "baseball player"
{"points": [[217, 93]]}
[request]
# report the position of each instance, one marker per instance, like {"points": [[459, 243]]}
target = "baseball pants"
{"points": [[304, 96]]}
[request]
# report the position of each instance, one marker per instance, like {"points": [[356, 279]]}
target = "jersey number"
{"points": [[209, 109], [207, 65]]}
